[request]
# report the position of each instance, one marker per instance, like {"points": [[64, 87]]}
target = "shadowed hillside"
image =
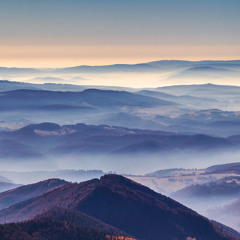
{"points": [[125, 205]]}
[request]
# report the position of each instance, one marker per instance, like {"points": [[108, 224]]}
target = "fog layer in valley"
{"points": [[80, 123]]}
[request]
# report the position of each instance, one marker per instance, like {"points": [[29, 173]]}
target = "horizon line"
{"points": [[130, 64]]}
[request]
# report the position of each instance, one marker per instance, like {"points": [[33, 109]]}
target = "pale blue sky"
{"points": [[120, 22]]}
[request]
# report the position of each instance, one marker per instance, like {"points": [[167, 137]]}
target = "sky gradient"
{"points": [[60, 33]]}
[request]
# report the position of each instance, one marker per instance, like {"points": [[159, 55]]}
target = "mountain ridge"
{"points": [[124, 204]]}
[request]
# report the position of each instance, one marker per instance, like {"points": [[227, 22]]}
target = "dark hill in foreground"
{"points": [[125, 205], [50, 229]]}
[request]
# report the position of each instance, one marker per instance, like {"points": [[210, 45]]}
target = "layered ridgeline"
{"points": [[207, 109], [108, 207], [205, 196], [207, 66], [37, 140]]}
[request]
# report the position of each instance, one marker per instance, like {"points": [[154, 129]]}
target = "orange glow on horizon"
{"points": [[67, 56]]}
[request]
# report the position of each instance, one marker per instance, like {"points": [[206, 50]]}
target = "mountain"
{"points": [[13, 149], [227, 214], [5, 186], [235, 138], [140, 143], [125, 205], [173, 98], [164, 173], [60, 224], [76, 217], [202, 197], [224, 168], [187, 101], [142, 147], [6, 85], [49, 139], [130, 120], [156, 66], [224, 187], [17, 71], [206, 72], [87, 99], [23, 193], [4, 179], [203, 142], [210, 121], [141, 67], [46, 126], [12, 85], [189, 109], [202, 90], [180, 64], [210, 116]]}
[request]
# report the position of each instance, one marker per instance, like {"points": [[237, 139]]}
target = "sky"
{"points": [[57, 33]]}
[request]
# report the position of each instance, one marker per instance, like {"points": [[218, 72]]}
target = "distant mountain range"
{"points": [[202, 90], [224, 168], [144, 67], [203, 197], [206, 71], [213, 192], [90, 98], [36, 141], [56, 125], [6, 85], [191, 109], [110, 205]]}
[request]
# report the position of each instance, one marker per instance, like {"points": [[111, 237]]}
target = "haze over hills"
{"points": [[48, 124], [111, 148], [196, 112], [227, 213], [150, 66], [89, 97], [224, 187], [213, 192], [101, 138], [202, 90], [125, 205], [203, 197], [194, 128], [6, 85], [19, 150], [71, 175], [144, 75], [198, 188], [206, 72]]}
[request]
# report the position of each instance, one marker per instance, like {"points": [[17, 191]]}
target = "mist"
{"points": [[133, 164]]}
